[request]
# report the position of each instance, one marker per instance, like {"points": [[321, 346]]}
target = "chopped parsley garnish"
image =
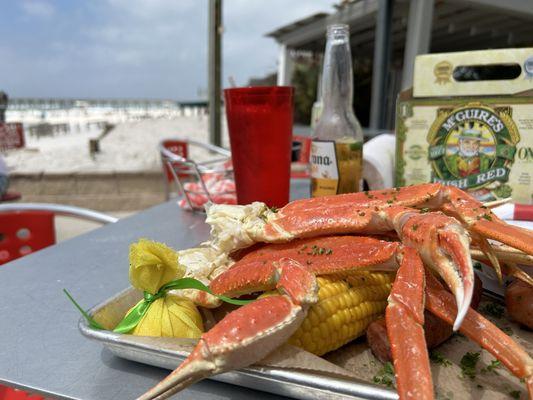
{"points": [[367, 194], [385, 375], [263, 216], [468, 364], [487, 217], [515, 394], [302, 249], [424, 210], [415, 227], [477, 266], [389, 201], [507, 330], [491, 368], [493, 309], [274, 209], [318, 251], [439, 359]]}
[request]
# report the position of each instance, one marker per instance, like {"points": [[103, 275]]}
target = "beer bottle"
{"points": [[337, 146]]}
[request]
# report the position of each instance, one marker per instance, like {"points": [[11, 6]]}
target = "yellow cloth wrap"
{"points": [[171, 316], [152, 265]]}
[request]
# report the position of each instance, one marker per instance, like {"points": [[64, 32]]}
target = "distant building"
{"points": [[386, 35]]}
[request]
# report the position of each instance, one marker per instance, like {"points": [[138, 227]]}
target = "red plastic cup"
{"points": [[260, 131]]}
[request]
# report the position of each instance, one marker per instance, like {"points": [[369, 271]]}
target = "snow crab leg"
{"points": [[405, 319], [477, 328], [381, 212], [249, 333], [405, 328], [441, 241]]}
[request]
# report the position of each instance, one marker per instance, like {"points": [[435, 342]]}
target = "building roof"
{"points": [[457, 25], [279, 32]]}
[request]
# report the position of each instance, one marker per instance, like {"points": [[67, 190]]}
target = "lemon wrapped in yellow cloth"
{"points": [[171, 316], [152, 265]]}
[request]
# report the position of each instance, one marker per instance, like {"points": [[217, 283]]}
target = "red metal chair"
{"points": [[175, 158], [28, 227], [8, 393], [179, 148], [22, 232], [302, 148], [10, 196]]}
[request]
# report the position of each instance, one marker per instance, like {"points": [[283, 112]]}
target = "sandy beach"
{"points": [[125, 175], [130, 146]]}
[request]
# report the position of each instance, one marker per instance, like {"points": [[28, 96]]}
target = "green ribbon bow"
{"points": [[132, 318]]}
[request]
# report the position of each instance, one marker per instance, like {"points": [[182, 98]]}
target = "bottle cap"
{"points": [[337, 30]]}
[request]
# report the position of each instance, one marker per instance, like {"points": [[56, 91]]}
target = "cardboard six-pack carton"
{"points": [[462, 124]]}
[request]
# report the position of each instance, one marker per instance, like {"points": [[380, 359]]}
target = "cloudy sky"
{"points": [[134, 48]]}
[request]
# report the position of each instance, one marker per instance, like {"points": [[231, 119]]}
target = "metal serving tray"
{"points": [[169, 353]]}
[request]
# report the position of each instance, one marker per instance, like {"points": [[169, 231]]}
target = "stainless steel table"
{"points": [[41, 349]]}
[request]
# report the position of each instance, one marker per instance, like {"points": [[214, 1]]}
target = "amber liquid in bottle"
{"points": [[337, 147]]}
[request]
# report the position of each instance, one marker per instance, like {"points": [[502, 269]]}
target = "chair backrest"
{"points": [[10, 196], [23, 232], [9, 393], [178, 147], [304, 150], [301, 146]]}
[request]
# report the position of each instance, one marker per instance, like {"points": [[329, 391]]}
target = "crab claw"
{"points": [[444, 245], [454, 247], [243, 337], [480, 330], [405, 328], [481, 220], [249, 333]]}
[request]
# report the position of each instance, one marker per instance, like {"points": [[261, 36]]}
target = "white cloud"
{"points": [[38, 8], [143, 48], [247, 52]]}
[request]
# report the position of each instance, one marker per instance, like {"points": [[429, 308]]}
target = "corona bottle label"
{"points": [[335, 167]]}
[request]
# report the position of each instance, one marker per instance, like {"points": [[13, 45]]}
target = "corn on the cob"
{"points": [[346, 306]]}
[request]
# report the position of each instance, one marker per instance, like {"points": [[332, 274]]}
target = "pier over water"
{"points": [[34, 103]]}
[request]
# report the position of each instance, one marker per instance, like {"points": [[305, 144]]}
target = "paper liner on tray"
{"points": [[288, 356], [355, 360]]}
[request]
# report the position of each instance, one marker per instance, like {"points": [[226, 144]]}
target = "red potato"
{"points": [[436, 330], [376, 337], [519, 302]]}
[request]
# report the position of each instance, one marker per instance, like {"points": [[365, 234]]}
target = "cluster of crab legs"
{"points": [[435, 226]]}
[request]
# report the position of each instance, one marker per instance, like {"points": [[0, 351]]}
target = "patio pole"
{"points": [[284, 66], [418, 37], [214, 71], [380, 67]]}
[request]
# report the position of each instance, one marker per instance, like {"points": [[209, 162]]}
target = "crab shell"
{"points": [[435, 224]]}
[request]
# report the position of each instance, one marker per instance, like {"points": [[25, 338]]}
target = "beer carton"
{"points": [[452, 127]]}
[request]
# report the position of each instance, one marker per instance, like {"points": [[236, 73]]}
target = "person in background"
{"points": [[3, 106], [4, 177]]}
